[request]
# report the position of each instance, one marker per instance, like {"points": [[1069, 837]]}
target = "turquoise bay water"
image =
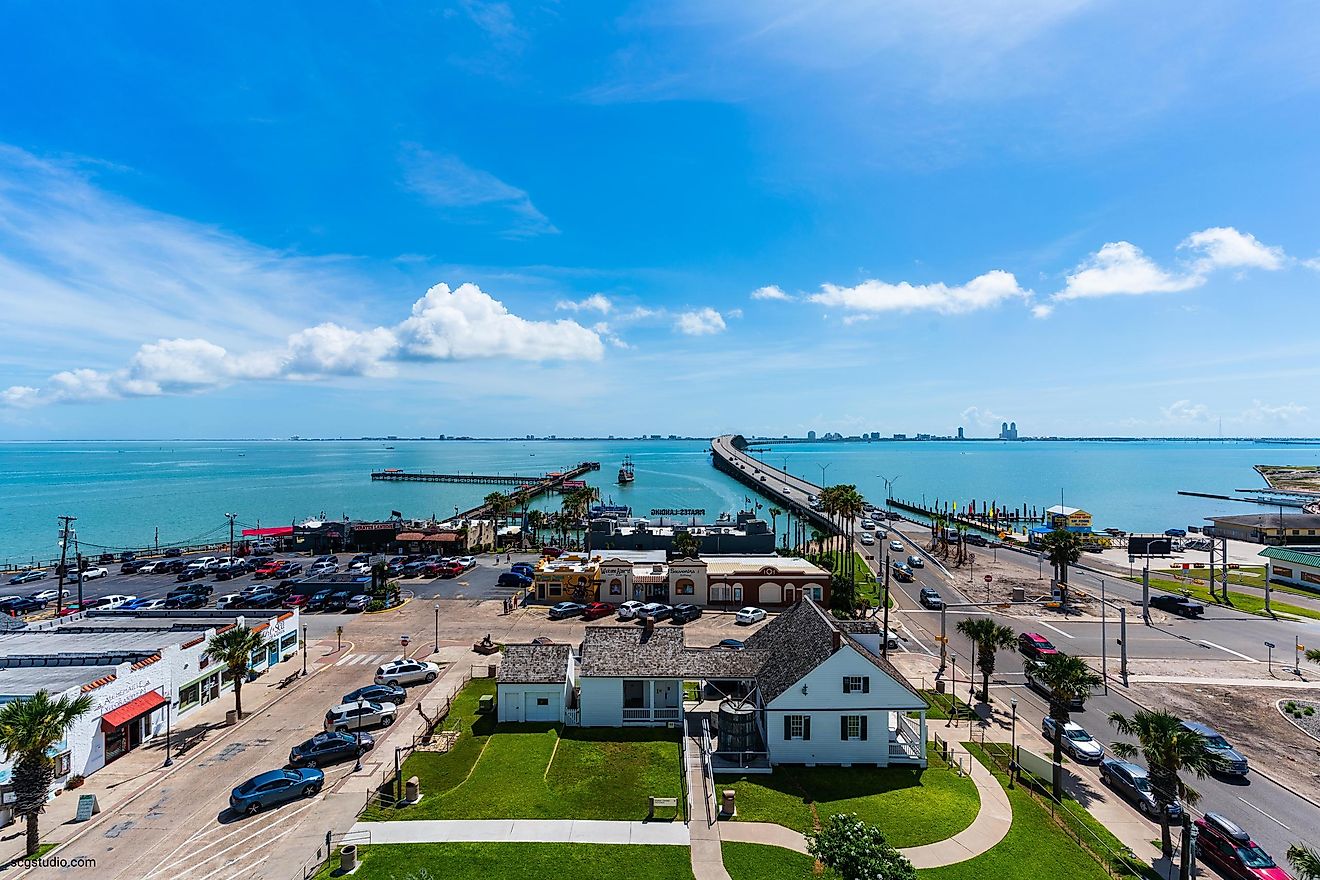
{"points": [[122, 492]]}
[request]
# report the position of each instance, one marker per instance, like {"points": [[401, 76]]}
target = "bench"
{"points": [[666, 802]]}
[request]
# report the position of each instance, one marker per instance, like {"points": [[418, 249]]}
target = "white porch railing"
{"points": [[650, 714], [907, 741]]}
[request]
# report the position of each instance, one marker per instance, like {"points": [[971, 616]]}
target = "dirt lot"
{"points": [[1247, 716]]}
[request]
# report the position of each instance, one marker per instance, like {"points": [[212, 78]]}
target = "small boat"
{"points": [[626, 475]]}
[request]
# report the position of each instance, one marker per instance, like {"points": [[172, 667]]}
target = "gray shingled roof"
{"points": [[615, 651], [802, 638], [534, 664]]}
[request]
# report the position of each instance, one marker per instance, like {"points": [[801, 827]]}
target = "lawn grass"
{"points": [[1034, 847], [535, 771], [946, 705], [1240, 601], [1243, 576], [517, 861], [42, 849], [754, 861], [911, 807], [868, 586]]}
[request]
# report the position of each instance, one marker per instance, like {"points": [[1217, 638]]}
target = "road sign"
{"points": [[989, 578], [405, 639]]}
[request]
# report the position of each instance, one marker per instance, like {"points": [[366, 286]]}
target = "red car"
{"points": [[451, 569], [267, 570], [1036, 646], [552, 552], [597, 610], [297, 600], [1227, 848]]}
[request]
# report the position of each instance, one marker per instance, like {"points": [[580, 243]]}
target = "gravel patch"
{"points": [[1304, 714]]}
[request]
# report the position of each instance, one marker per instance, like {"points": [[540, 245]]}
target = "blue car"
{"points": [[515, 580], [275, 787]]}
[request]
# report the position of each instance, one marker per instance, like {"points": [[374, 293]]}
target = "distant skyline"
{"points": [[494, 219]]}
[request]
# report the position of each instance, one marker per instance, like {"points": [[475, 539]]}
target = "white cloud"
{"points": [[1266, 413], [467, 323], [1121, 268], [445, 325], [1183, 411], [597, 302], [770, 291], [1042, 310], [982, 292], [977, 416], [700, 322], [1224, 247], [448, 182]]}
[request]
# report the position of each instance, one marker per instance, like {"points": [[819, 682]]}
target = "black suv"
{"points": [[329, 748], [185, 599], [264, 599], [930, 598], [684, 613], [320, 600], [378, 693]]}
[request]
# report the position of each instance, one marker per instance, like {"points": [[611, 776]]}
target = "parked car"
{"points": [[21, 605], [1178, 605], [294, 600], [929, 597], [1035, 646], [274, 787], [1133, 782], [330, 748], [170, 553], [1076, 741], [201, 589], [27, 577], [451, 569], [1031, 669], [685, 612], [524, 568], [321, 560], [564, 610], [654, 611], [514, 580], [263, 550], [628, 610], [916, 561], [115, 601], [229, 600], [190, 574], [378, 693], [467, 561], [185, 600], [407, 672], [265, 599], [552, 552], [338, 600], [269, 569], [127, 556], [319, 600], [359, 603], [47, 595], [1229, 849], [732, 644], [96, 572], [1176, 533], [360, 715], [597, 610], [1228, 760], [749, 615], [145, 605]]}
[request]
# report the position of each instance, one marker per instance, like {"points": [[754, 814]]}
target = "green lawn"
{"points": [[1034, 847], [867, 586], [1244, 576], [1240, 601], [535, 771], [42, 849], [911, 807], [518, 861], [753, 861], [942, 705]]}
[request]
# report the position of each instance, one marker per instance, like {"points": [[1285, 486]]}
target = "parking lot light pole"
{"points": [[1012, 754], [169, 734], [437, 629], [304, 647], [357, 744]]}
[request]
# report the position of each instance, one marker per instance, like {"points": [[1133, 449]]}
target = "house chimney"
{"points": [[838, 639]]}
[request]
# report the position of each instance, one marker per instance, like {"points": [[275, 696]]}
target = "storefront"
{"points": [[127, 726]]}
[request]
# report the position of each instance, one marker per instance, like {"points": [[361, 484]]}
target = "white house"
{"points": [[806, 689], [535, 683]]}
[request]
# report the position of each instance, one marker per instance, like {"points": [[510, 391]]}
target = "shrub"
{"points": [[1290, 706], [1308, 711]]}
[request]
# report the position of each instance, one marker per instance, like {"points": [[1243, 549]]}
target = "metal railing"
{"points": [[707, 771], [682, 776]]}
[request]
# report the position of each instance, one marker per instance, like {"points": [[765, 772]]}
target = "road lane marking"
{"points": [[917, 640], [1056, 629], [245, 828], [1263, 813], [1229, 650]]}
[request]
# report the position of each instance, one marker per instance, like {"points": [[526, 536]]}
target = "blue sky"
{"points": [[490, 219]]}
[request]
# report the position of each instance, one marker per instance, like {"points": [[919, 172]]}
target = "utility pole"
{"points": [[65, 522], [1223, 570], [1212, 571], [1145, 591], [78, 561], [1104, 641], [1122, 644], [231, 517], [884, 652]]}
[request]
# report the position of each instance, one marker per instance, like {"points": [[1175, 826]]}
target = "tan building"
{"points": [[1268, 528], [717, 581]]}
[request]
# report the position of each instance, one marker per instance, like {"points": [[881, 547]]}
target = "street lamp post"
{"points": [[357, 744], [304, 647], [1012, 754], [169, 729], [823, 469], [437, 628]]}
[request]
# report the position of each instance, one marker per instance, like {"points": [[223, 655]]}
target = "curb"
{"points": [[388, 610]]}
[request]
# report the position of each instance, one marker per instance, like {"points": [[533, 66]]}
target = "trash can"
{"points": [[348, 858], [412, 790], [231, 717]]}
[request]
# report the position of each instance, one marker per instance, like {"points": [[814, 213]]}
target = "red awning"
{"points": [[278, 531], [130, 710]]}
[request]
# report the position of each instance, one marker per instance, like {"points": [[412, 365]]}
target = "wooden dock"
{"points": [[394, 476]]}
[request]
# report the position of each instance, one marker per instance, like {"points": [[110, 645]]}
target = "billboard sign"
{"points": [[1150, 545]]}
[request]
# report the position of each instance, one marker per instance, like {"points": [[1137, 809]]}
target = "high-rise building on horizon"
{"points": [[960, 434], [811, 435]]}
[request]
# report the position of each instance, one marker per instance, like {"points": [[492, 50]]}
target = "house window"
{"points": [[856, 684], [555, 588], [543, 701], [190, 695], [797, 727], [685, 587], [1280, 571], [816, 593], [616, 587], [63, 763], [852, 727], [1311, 578]]}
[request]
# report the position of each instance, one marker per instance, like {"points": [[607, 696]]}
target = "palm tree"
{"points": [[990, 637], [234, 648], [1169, 749], [28, 730], [1069, 680], [1063, 548], [774, 520], [1305, 861], [686, 545], [498, 504], [536, 520]]}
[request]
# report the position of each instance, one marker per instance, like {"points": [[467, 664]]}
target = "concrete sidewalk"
{"points": [[524, 831]]}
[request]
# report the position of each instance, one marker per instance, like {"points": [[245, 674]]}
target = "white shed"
{"points": [[534, 683]]}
